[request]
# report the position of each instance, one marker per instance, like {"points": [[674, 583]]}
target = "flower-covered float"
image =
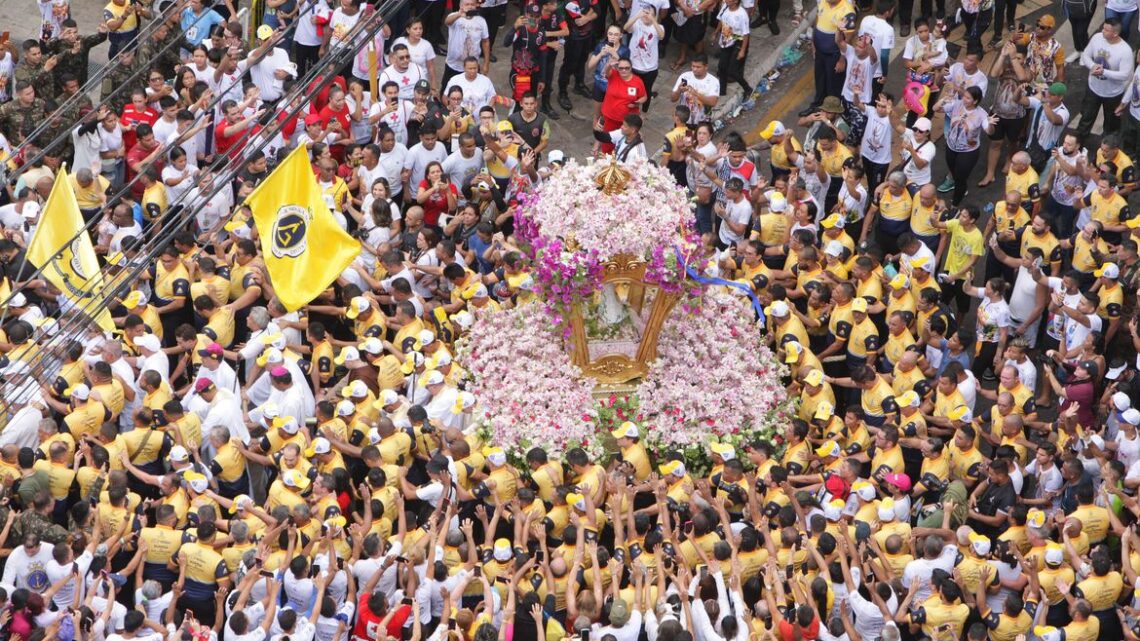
{"points": [[619, 330]]}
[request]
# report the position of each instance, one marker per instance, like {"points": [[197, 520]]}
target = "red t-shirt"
{"points": [[810, 633], [135, 156], [436, 204], [343, 117], [620, 94], [368, 623], [132, 115], [322, 98], [232, 145]]}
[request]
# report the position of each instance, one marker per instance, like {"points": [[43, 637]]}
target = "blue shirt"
{"points": [[947, 357], [476, 244], [196, 30], [600, 81]]}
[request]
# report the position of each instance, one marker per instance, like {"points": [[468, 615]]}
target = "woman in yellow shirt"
{"points": [[965, 247]]}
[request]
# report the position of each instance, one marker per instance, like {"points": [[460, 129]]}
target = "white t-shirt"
{"points": [[406, 79], [655, 5], [393, 164], [1128, 451], [306, 33], [418, 159], [882, 37], [915, 174], [643, 50], [56, 572], [876, 145], [465, 38], [915, 46], [397, 119], [341, 25], [477, 93], [737, 22], [422, 53], [1076, 333], [1115, 59], [993, 316], [739, 213], [707, 86], [860, 73], [959, 76], [460, 169]]}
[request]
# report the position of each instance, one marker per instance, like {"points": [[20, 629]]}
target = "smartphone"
{"points": [[406, 601], [539, 557], [584, 635], [478, 570], [500, 579], [704, 571], [401, 559], [451, 625], [267, 574]]}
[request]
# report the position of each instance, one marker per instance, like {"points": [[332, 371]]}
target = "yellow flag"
{"points": [[63, 250], [304, 248]]}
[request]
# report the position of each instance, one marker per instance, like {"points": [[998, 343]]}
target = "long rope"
{"points": [[211, 107], [85, 314], [64, 135]]}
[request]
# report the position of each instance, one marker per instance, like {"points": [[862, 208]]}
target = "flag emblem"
{"points": [[290, 231]]}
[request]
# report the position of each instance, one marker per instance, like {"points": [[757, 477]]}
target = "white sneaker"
{"points": [[1072, 57]]}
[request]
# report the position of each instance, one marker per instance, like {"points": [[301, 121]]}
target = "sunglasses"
{"points": [[625, 68]]}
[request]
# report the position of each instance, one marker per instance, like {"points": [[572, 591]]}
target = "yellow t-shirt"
{"points": [[963, 245]]}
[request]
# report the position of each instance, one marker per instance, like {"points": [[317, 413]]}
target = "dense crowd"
{"points": [[965, 454]]}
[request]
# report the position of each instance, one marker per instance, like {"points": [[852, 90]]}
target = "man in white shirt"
{"points": [[937, 555], [420, 156], [402, 72], [478, 90], [270, 71], [27, 565], [697, 89], [63, 563], [628, 146], [1110, 62], [467, 36], [735, 213], [882, 34]]}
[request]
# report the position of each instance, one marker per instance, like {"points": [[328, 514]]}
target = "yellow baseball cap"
{"points": [[772, 129], [859, 304], [792, 351], [814, 377], [961, 413], [356, 307], [823, 411], [830, 448], [723, 450], [626, 430]]}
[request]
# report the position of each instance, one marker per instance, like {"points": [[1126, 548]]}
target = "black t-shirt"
{"points": [[530, 131], [994, 499], [435, 116]]}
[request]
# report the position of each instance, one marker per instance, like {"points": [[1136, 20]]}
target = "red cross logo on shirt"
{"points": [[405, 79]]}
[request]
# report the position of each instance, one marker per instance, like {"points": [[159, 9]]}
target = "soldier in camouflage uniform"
{"points": [[73, 51], [119, 81], [37, 520], [20, 116], [33, 69], [167, 61]]}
